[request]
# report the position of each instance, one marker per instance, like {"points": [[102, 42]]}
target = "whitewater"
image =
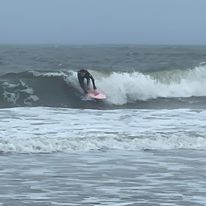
{"points": [[48, 130], [33, 88], [144, 145]]}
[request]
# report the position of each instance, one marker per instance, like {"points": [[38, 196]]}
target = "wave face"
{"points": [[123, 89]]}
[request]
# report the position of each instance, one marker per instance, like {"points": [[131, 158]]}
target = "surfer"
{"points": [[82, 75]]}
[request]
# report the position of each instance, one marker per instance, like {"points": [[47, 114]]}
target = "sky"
{"points": [[103, 22]]}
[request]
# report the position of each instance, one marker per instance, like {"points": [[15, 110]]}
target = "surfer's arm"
{"points": [[82, 85], [88, 80], [93, 82]]}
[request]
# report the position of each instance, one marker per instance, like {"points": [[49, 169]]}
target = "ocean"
{"points": [[144, 145]]}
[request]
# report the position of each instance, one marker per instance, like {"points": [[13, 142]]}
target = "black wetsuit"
{"points": [[82, 75]]}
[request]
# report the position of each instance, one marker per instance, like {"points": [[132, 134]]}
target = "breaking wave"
{"points": [[49, 130], [38, 88]]}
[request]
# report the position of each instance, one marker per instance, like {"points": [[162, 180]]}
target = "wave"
{"points": [[122, 88], [61, 88], [49, 130], [74, 144]]}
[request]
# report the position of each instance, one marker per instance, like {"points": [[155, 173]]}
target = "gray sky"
{"points": [[103, 21]]}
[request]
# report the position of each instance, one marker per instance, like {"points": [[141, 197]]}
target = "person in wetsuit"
{"points": [[82, 75]]}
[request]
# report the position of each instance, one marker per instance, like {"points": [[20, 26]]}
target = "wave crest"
{"points": [[122, 88], [35, 88]]}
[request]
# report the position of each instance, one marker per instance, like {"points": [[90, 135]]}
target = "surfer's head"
{"points": [[83, 72]]}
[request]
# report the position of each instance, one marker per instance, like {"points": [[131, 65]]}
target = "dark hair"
{"points": [[83, 70]]}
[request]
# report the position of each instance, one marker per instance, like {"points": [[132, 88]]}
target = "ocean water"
{"points": [[144, 145]]}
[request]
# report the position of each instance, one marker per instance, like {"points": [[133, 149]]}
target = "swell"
{"points": [[123, 89]]}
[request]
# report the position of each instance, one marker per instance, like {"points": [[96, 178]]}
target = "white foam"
{"points": [[37, 130], [13, 92], [122, 88], [10, 97], [48, 74]]}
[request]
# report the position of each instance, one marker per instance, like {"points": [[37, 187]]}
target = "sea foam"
{"points": [[48, 130], [122, 88]]}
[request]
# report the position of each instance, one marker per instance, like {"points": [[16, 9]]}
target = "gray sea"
{"points": [[144, 145]]}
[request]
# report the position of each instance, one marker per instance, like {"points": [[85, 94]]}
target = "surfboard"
{"points": [[94, 94]]}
